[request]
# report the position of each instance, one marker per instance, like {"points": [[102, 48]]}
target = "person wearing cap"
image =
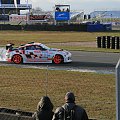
{"points": [[44, 109], [78, 113]]}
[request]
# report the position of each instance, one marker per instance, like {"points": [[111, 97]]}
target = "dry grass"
{"points": [[20, 37], [22, 87], [23, 37]]}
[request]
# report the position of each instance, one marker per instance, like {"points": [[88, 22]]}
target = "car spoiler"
{"points": [[9, 46]]}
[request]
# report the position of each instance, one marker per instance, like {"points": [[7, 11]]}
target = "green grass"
{"points": [[21, 88], [22, 37]]}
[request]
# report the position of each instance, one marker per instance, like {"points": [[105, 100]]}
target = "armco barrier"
{"points": [[6, 116], [10, 114], [112, 42], [45, 27]]}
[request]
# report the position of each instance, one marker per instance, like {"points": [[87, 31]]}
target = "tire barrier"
{"points": [[112, 42], [108, 41], [99, 42], [104, 42]]}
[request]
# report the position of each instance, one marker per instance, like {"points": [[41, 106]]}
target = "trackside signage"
{"points": [[39, 17], [18, 18], [61, 16]]}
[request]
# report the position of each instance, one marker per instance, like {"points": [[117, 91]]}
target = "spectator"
{"points": [[67, 10], [44, 109], [70, 111], [58, 9], [63, 10]]}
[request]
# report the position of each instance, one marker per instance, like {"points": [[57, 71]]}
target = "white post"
{"points": [[118, 90], [0, 2], [27, 3]]}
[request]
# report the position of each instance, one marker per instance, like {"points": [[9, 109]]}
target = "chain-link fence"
{"points": [[22, 86]]}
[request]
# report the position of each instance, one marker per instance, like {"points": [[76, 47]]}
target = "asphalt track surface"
{"points": [[91, 61]]}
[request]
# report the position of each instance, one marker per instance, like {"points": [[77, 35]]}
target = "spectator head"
{"points": [[69, 97], [45, 103]]}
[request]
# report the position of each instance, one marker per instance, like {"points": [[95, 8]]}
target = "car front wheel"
{"points": [[58, 59]]}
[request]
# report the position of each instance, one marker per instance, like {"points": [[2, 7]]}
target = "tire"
{"points": [[58, 59], [17, 59]]}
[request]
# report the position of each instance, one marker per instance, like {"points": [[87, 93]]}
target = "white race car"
{"points": [[36, 53]]}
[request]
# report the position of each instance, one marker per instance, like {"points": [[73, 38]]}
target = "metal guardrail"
{"points": [[118, 90], [10, 114]]}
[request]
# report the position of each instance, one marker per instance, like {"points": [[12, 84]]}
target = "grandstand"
{"points": [[75, 16], [106, 14], [9, 7]]}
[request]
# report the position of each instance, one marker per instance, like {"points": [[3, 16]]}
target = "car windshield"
{"points": [[44, 47]]}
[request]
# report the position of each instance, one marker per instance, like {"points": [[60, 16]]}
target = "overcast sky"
{"points": [[81, 5]]}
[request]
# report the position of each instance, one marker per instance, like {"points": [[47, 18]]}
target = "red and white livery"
{"points": [[36, 53]]}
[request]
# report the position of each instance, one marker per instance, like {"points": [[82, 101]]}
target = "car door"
{"points": [[41, 54], [29, 53]]}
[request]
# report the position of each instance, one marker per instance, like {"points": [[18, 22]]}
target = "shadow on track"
{"points": [[72, 64]]}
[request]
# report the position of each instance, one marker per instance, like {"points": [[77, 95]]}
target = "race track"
{"points": [[82, 61]]}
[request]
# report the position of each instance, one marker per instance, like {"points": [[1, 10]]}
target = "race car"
{"points": [[36, 53]]}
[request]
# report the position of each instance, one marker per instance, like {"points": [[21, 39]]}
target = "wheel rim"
{"points": [[17, 59], [57, 59]]}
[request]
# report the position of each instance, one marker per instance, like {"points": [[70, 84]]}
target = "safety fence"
{"points": [[112, 42], [22, 86]]}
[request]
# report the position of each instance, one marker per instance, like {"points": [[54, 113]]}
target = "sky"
{"points": [[80, 5]]}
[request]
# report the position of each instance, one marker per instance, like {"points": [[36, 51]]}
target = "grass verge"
{"points": [[23, 37]]}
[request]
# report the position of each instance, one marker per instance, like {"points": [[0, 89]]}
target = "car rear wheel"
{"points": [[58, 59], [17, 59]]}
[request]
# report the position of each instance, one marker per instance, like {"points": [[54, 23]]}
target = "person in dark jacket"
{"points": [[44, 109], [77, 112]]}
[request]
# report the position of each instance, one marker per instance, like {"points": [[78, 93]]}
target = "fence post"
{"points": [[118, 90]]}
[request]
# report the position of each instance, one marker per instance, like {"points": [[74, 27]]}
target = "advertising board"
{"points": [[39, 17], [17, 18], [61, 16]]}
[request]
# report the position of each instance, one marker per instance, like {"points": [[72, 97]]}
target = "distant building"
{"points": [[8, 7]]}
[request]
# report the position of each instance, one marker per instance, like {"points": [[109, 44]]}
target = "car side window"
{"points": [[32, 47], [22, 48], [38, 47], [35, 47]]}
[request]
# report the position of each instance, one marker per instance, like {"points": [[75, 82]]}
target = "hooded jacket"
{"points": [[44, 109], [80, 113]]}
